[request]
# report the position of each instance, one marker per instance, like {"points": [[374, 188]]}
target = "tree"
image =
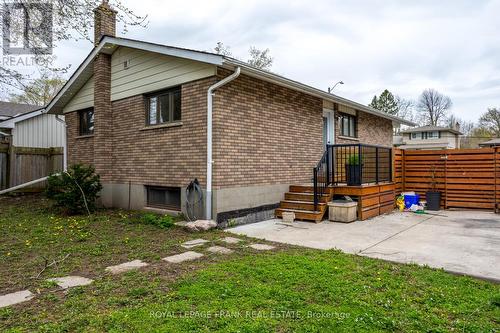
{"points": [[72, 20], [222, 49], [385, 103], [405, 108], [491, 121], [40, 91], [260, 59], [433, 107]]}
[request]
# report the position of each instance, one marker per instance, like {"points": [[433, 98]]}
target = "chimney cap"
{"points": [[105, 6]]}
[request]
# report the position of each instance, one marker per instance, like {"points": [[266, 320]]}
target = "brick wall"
{"points": [[165, 156], [80, 149], [264, 134], [371, 130]]}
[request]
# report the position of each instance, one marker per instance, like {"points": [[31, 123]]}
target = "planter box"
{"points": [[342, 211]]}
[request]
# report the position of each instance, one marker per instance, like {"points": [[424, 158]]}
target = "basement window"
{"points": [[164, 197], [164, 107], [86, 119]]}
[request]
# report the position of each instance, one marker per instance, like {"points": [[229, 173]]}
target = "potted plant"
{"points": [[353, 170], [433, 196]]}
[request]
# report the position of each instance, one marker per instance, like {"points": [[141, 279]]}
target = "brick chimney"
{"points": [[104, 24], [104, 21]]}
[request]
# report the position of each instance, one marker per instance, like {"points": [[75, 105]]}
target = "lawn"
{"points": [[286, 289]]}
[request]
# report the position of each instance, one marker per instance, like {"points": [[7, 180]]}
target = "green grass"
{"points": [[289, 289]]}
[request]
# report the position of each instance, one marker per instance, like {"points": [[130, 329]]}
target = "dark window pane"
{"points": [[164, 197], [86, 118], [177, 105], [164, 108]]}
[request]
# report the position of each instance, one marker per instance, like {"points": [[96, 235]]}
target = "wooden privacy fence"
{"points": [[466, 178], [24, 164]]}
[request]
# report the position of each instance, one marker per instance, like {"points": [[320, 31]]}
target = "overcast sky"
{"points": [[402, 45]]}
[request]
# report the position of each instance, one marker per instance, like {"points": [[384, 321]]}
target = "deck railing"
{"points": [[352, 165]]}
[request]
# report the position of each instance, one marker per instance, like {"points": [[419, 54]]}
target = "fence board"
{"points": [[467, 178]]}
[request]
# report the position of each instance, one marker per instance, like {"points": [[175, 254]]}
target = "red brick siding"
{"points": [[371, 130], [80, 150], [168, 156], [264, 134]]}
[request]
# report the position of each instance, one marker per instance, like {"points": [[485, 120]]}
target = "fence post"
{"points": [[376, 165]]}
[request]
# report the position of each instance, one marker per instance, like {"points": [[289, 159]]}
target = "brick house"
{"points": [[142, 114]]}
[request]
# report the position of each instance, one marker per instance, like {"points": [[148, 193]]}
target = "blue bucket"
{"points": [[411, 200]]}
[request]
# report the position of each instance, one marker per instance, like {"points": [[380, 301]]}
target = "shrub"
{"points": [[353, 159], [75, 190]]}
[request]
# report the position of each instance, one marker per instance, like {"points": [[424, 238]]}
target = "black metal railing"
{"points": [[322, 177], [352, 165]]}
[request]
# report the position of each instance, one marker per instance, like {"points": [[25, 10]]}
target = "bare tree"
{"points": [[405, 108], [260, 59], [71, 20], [433, 107], [222, 49], [491, 121]]}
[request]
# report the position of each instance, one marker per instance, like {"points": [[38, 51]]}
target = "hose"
{"points": [[194, 191]]}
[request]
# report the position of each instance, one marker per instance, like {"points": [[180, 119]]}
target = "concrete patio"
{"points": [[464, 242]]}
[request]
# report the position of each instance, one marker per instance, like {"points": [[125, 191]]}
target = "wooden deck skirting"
{"points": [[373, 199]]}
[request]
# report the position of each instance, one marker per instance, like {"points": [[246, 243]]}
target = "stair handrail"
{"points": [[322, 176]]}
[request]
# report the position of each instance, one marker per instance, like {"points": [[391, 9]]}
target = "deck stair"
{"points": [[300, 200]]}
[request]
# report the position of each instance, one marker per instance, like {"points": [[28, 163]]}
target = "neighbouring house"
{"points": [[152, 118], [9, 110], [35, 129], [428, 138], [490, 143]]}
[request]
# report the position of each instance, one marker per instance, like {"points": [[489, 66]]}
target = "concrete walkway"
{"points": [[466, 242]]}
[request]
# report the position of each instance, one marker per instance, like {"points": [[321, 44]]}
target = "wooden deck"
{"points": [[373, 200]]}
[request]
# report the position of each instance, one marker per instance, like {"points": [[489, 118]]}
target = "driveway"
{"points": [[464, 242]]}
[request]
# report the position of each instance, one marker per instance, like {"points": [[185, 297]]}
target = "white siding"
{"points": [[83, 99], [43, 131], [149, 71], [146, 72]]}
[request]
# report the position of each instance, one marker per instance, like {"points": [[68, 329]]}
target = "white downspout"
{"points": [[210, 92], [65, 143]]}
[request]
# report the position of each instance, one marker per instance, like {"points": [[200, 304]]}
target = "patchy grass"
{"points": [[290, 289]]}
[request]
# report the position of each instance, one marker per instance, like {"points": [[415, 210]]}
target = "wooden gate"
{"points": [[466, 178]]}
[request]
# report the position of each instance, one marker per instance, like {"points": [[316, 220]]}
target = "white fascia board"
{"points": [[283, 81]]}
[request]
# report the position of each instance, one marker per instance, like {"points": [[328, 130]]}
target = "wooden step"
{"points": [[316, 216], [295, 196], [302, 188], [301, 205]]}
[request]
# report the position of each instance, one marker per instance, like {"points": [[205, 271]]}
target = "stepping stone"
{"points": [[261, 247], [219, 249], [71, 281], [126, 266], [231, 240], [178, 258], [193, 243], [15, 298]]}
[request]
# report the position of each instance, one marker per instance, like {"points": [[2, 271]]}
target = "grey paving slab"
{"points": [[15, 298], [126, 266], [193, 243], [261, 247], [231, 240], [186, 256], [219, 250], [66, 282]]}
